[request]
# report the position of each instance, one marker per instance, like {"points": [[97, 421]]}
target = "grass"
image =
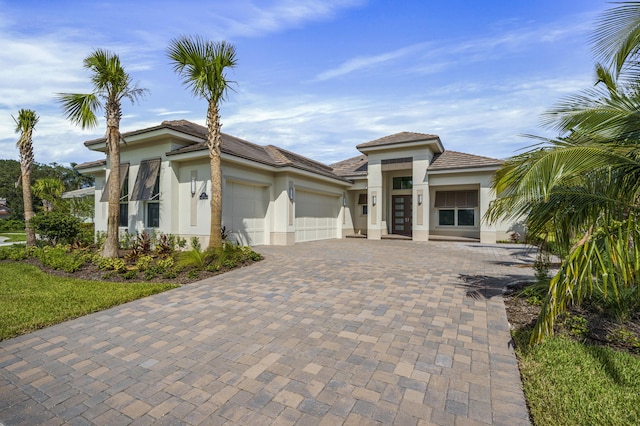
{"points": [[14, 237], [570, 383], [31, 299]]}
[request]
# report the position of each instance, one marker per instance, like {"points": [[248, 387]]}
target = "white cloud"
{"points": [[364, 62], [252, 19]]}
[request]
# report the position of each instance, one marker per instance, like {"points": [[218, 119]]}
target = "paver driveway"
{"points": [[331, 332]]}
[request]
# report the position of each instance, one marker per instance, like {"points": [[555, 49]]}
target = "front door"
{"points": [[402, 214]]}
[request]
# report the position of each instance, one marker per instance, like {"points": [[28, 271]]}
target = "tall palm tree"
{"points": [[202, 64], [111, 84], [25, 123], [49, 190], [584, 187]]}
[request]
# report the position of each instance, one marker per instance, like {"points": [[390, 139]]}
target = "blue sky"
{"points": [[314, 77]]}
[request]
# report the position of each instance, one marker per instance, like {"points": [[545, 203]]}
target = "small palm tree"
{"points": [[584, 187], [201, 64], [111, 83], [25, 123], [49, 190]]}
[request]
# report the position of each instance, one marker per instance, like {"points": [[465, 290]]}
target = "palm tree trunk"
{"points": [[214, 142], [28, 204], [110, 248]]}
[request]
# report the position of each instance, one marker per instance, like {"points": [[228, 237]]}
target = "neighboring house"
{"points": [[404, 184], [5, 212]]}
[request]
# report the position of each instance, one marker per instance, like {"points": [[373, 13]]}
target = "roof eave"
{"points": [[409, 144], [463, 170]]}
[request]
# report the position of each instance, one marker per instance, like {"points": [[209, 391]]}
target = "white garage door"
{"points": [[243, 212], [316, 216]]}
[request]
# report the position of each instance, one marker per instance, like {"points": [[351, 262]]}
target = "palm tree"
{"points": [[25, 123], [584, 187], [49, 190], [111, 83], [201, 64]]}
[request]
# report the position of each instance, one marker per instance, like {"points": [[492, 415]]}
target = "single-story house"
{"points": [[404, 185], [5, 212]]}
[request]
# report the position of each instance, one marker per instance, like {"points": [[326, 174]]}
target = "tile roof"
{"points": [[356, 166], [398, 138], [90, 164], [270, 155], [458, 160]]}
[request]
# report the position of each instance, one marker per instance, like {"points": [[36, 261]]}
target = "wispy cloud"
{"points": [[364, 62], [252, 19]]}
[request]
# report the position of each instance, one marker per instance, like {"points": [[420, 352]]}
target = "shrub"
{"points": [[144, 263], [56, 227], [86, 236], [109, 263], [130, 275], [60, 258], [10, 225]]}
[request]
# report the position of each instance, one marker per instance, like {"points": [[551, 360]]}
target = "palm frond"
{"points": [[201, 64], [80, 108], [616, 40]]}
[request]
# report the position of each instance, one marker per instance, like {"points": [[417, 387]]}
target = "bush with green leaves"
{"points": [[109, 263], [60, 258], [144, 263], [56, 227], [15, 252], [11, 225]]}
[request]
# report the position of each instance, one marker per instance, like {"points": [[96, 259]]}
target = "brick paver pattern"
{"points": [[323, 333]]}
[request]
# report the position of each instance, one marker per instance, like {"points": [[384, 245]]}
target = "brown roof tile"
{"points": [[458, 160], [90, 164], [398, 138], [355, 166]]}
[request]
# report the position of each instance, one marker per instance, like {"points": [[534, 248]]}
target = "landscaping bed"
{"points": [[588, 373]]}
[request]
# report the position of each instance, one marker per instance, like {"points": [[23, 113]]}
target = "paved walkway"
{"points": [[332, 332]]}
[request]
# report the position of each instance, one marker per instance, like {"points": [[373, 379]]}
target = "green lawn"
{"points": [[569, 383], [31, 299], [14, 237]]}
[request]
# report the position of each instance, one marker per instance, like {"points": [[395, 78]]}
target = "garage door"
{"points": [[316, 216], [243, 212]]}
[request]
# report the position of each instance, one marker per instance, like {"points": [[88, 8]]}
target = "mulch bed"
{"points": [[522, 315], [92, 272]]}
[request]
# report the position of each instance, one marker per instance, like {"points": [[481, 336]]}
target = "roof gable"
{"points": [[399, 138]]}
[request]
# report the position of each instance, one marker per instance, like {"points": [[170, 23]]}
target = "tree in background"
{"points": [[49, 190], [581, 191], [10, 174], [25, 124], [202, 64], [111, 84]]}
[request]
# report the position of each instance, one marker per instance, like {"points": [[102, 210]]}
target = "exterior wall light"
{"points": [[193, 186], [374, 199], [291, 193], [419, 199], [344, 200]]}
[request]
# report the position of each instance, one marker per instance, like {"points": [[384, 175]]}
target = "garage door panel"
{"points": [[316, 216], [244, 211]]}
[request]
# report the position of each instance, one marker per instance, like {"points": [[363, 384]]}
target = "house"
{"points": [[404, 185], [5, 212]]}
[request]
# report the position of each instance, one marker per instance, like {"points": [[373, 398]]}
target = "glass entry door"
{"points": [[402, 214]]}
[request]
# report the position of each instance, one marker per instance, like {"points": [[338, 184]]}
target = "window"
{"points": [[124, 201], [153, 215], [403, 182], [446, 217], [147, 188], [456, 208], [466, 217], [153, 205], [365, 209]]}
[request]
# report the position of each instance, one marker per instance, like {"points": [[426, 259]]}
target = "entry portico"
{"points": [[407, 184]]}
